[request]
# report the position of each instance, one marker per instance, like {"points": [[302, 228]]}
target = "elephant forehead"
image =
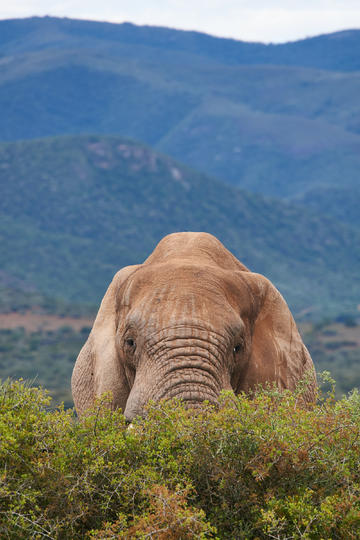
{"points": [[183, 293], [172, 282]]}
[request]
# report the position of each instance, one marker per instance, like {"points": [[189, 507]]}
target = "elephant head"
{"points": [[189, 322]]}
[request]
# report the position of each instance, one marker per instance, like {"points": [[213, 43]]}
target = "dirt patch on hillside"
{"points": [[32, 322]]}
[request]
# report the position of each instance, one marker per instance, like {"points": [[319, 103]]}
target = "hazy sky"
{"points": [[251, 20]]}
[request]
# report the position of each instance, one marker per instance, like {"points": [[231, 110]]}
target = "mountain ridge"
{"points": [[187, 40]]}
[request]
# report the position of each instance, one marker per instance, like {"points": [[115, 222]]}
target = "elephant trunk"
{"points": [[190, 370]]}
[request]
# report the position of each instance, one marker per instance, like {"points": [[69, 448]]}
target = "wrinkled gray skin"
{"points": [[189, 322]]}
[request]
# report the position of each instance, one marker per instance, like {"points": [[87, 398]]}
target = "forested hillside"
{"points": [[76, 209]]}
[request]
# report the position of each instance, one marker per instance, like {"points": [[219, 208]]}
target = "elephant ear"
{"points": [[97, 369], [278, 353]]}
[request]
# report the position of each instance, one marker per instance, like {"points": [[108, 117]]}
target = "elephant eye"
{"points": [[237, 348], [130, 343]]}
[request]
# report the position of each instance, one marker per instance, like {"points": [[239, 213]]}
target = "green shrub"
{"points": [[265, 467]]}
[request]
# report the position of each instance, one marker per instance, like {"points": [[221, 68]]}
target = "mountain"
{"points": [[336, 51], [76, 209], [280, 120]]}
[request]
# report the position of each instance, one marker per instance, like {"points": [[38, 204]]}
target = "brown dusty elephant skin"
{"points": [[188, 322]]}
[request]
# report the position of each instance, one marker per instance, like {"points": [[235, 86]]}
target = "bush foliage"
{"points": [[265, 467]]}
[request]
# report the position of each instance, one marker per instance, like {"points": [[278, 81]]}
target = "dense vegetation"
{"points": [[76, 209], [256, 468], [276, 119]]}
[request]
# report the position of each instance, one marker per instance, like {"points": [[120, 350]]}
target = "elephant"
{"points": [[189, 322]]}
